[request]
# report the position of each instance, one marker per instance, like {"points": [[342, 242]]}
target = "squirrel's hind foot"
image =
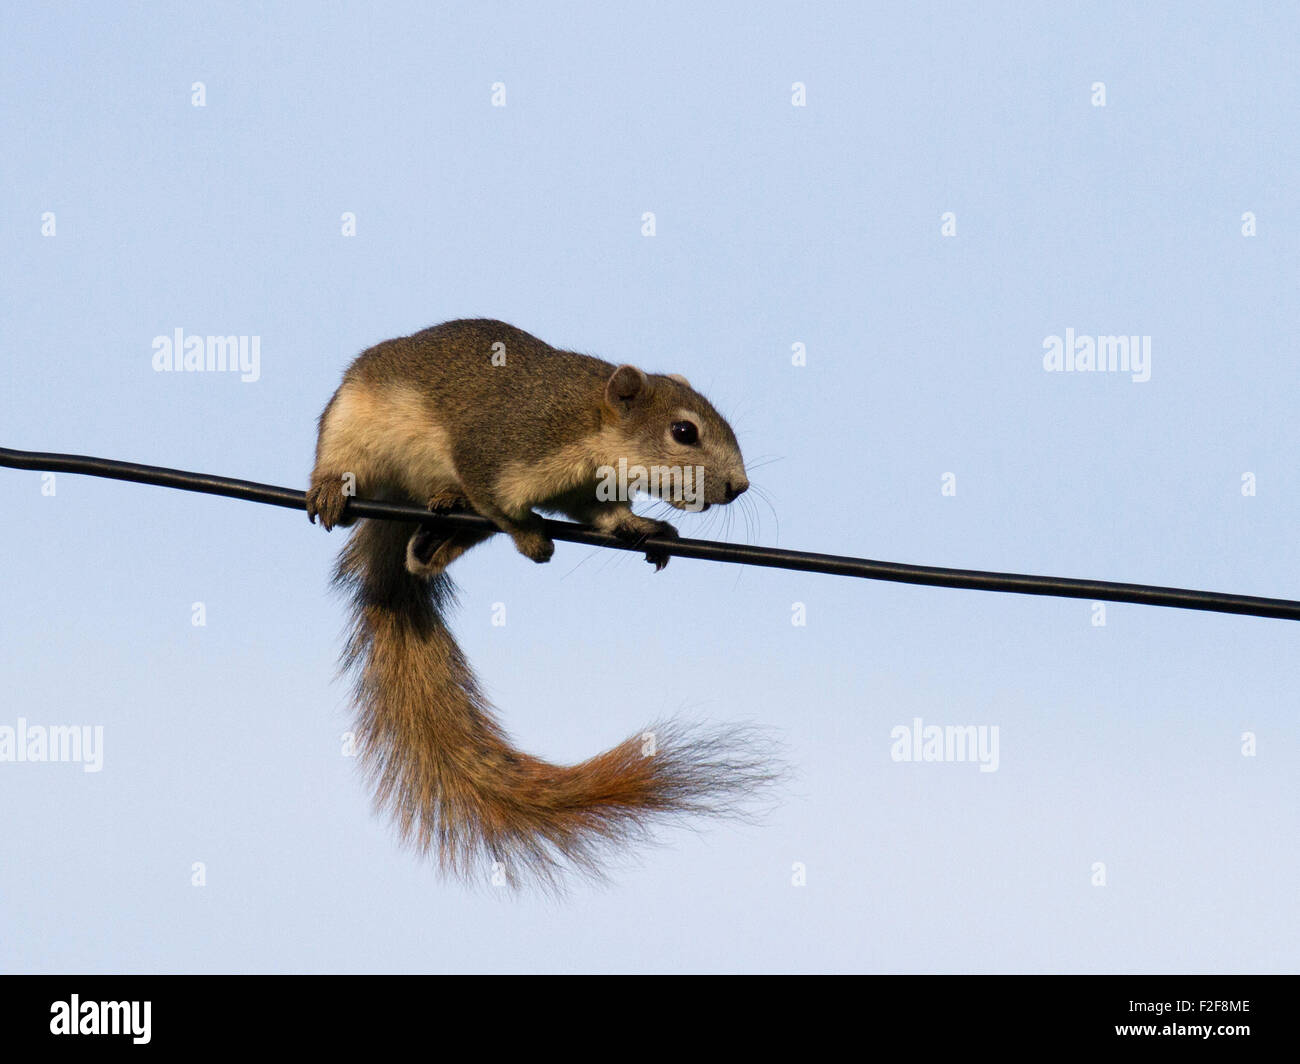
{"points": [[450, 501], [430, 550]]}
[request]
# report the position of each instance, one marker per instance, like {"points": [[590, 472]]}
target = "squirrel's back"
{"points": [[481, 361]]}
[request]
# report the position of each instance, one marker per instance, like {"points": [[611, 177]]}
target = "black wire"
{"points": [[708, 550]]}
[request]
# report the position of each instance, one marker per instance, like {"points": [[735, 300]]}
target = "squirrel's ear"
{"points": [[679, 379], [625, 389]]}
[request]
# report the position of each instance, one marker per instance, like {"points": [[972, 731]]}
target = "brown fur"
{"points": [[439, 761]]}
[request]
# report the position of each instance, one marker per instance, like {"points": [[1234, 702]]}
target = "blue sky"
{"points": [[775, 225]]}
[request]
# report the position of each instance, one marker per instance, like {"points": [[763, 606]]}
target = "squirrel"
{"points": [[450, 419]]}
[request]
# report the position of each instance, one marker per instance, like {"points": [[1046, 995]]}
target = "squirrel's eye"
{"points": [[686, 432]]}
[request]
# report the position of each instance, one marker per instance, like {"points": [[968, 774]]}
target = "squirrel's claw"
{"points": [[326, 500], [659, 559]]}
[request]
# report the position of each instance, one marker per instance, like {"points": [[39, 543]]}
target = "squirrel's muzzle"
{"points": [[735, 487]]}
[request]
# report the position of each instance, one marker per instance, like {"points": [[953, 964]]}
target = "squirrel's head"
{"points": [[670, 436]]}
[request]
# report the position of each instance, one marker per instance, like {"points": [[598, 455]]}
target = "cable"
{"points": [[707, 550]]}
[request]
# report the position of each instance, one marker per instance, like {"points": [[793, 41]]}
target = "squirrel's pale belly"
{"points": [[388, 439]]}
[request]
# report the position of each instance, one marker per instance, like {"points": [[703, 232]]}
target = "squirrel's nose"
{"points": [[736, 487]]}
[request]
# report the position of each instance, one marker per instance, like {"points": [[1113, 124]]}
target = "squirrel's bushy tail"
{"points": [[444, 768]]}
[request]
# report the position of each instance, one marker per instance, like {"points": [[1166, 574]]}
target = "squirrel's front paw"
{"points": [[326, 500], [637, 528], [532, 544]]}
